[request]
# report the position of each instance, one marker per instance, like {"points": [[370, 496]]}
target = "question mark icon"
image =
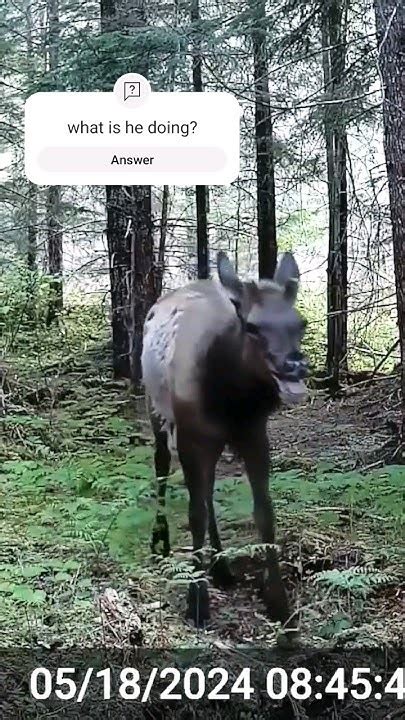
{"points": [[132, 89]]}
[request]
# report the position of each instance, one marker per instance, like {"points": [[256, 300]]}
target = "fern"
{"points": [[178, 572], [252, 550], [358, 581]]}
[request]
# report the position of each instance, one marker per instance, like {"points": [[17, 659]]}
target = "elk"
{"points": [[217, 359]]}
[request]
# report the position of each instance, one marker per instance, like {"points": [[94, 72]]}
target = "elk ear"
{"points": [[228, 276], [287, 275]]}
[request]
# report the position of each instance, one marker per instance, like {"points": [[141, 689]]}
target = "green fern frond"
{"points": [[253, 550], [358, 580]]}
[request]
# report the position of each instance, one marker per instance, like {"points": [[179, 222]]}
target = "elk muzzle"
{"points": [[295, 367]]}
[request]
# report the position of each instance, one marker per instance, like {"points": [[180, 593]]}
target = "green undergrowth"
{"points": [[78, 504], [68, 526]]}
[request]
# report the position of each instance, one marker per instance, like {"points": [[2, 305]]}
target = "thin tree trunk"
{"points": [[119, 255], [266, 197], [32, 213], [142, 289], [160, 267], [238, 225], [32, 191], [55, 249], [390, 25], [201, 191], [129, 232], [32, 248], [162, 241], [334, 58], [53, 202]]}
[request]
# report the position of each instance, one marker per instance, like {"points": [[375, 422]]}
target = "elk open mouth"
{"points": [[291, 392], [291, 387]]}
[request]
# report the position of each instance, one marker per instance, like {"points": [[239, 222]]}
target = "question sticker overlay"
{"points": [[132, 136]]}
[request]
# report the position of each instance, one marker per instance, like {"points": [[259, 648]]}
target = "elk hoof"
{"points": [[198, 603], [288, 639], [160, 536], [221, 573], [276, 601]]}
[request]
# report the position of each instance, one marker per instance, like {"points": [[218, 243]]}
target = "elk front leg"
{"points": [[220, 570], [198, 459], [253, 446]]}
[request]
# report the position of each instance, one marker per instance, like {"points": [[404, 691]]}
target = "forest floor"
{"points": [[77, 509]]}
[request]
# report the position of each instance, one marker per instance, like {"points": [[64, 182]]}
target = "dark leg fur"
{"points": [[160, 533], [254, 449], [220, 571], [198, 460], [198, 602]]}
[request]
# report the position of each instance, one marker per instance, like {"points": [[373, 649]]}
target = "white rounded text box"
{"points": [[94, 139]]}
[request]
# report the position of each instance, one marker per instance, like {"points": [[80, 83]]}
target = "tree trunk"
{"points": [[334, 59], [32, 216], [129, 232], [55, 249], [32, 192], [162, 241], [201, 191], [266, 198], [53, 202], [390, 25], [142, 290]]}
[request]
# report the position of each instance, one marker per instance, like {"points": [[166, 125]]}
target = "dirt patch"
{"points": [[359, 430]]}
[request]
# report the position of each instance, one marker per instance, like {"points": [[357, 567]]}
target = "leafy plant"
{"points": [[334, 626], [357, 581]]}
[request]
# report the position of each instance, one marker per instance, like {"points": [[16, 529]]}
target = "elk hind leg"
{"points": [[160, 542]]}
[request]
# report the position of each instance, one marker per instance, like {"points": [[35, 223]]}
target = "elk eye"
{"points": [[252, 329]]}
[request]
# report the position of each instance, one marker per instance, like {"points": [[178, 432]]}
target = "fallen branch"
{"points": [[382, 361]]}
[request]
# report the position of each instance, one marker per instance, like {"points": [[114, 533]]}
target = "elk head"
{"points": [[272, 327]]}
